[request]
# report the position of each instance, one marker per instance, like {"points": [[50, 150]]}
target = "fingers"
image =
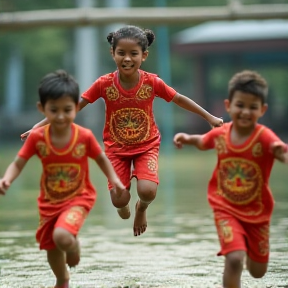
{"points": [[4, 185], [25, 135]]}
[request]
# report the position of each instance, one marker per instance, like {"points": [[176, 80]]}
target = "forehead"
{"points": [[60, 102], [128, 44], [246, 97]]}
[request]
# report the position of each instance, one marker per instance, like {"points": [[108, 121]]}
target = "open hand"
{"points": [[4, 185]]}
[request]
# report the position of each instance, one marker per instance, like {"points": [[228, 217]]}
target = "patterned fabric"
{"points": [[130, 126], [240, 181], [65, 177]]}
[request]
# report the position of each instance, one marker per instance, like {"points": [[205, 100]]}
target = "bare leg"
{"points": [[57, 261], [233, 269], [147, 192], [256, 269], [121, 203], [68, 243]]}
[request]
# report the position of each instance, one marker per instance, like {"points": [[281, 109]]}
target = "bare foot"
{"points": [[64, 285], [124, 212], [140, 223], [73, 257]]}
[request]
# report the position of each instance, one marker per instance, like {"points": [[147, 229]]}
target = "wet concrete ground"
{"points": [[182, 255]]}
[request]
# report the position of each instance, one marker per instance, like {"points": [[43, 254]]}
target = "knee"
{"points": [[258, 270], [235, 260], [62, 238], [146, 190], [122, 201]]}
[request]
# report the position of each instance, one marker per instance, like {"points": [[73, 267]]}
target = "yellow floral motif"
{"points": [[152, 165], [144, 92], [220, 145], [257, 150], [264, 244], [79, 151], [43, 149], [129, 126], [226, 233], [112, 93], [75, 215]]}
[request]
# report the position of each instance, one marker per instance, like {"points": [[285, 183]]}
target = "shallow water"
{"points": [[177, 250]]}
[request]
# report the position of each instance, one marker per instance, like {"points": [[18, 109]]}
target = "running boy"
{"points": [[238, 191], [130, 135], [66, 193]]}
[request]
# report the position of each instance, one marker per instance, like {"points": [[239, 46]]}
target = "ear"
{"points": [[264, 109], [40, 107], [145, 55], [227, 105]]}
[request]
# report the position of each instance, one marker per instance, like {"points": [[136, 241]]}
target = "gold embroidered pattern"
{"points": [[264, 244], [152, 165], [226, 233], [144, 92], [257, 150], [112, 93], [62, 181], [129, 126], [239, 181], [42, 148], [75, 216], [79, 150], [220, 145]]}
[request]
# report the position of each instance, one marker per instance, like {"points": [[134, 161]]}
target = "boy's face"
{"points": [[60, 113], [245, 109]]}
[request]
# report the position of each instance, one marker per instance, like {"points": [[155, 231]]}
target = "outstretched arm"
{"points": [[12, 172], [280, 151], [44, 122], [188, 104], [181, 139], [107, 168]]}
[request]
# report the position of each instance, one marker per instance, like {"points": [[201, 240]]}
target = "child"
{"points": [[238, 191], [66, 193], [130, 135]]}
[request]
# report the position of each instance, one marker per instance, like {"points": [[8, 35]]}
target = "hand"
{"points": [[119, 188], [279, 150], [4, 185], [25, 135], [215, 122], [180, 139]]}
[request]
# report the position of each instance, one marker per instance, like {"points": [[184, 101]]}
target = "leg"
{"points": [[121, 203], [68, 244], [57, 262], [147, 192], [256, 269], [233, 269]]}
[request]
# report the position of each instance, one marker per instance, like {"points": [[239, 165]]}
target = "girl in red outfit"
{"points": [[130, 135], [238, 191], [66, 193]]}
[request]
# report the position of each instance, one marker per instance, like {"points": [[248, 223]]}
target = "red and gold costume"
{"points": [[65, 183], [130, 129], [239, 189]]}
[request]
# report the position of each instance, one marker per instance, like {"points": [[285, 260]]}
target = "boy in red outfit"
{"points": [[66, 193], [238, 191]]}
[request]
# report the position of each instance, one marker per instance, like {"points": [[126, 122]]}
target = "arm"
{"points": [[181, 139], [107, 168], [12, 172], [188, 104], [280, 151], [44, 122]]}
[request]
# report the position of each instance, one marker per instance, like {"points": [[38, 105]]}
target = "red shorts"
{"points": [[143, 166], [71, 220], [235, 234]]}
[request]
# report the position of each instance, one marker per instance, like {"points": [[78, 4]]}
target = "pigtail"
{"points": [[150, 36], [110, 37]]}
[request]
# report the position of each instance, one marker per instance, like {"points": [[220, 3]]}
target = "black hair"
{"points": [[56, 85], [248, 82], [144, 37]]}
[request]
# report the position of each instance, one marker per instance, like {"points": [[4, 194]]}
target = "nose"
{"points": [[127, 58], [246, 111], [60, 116]]}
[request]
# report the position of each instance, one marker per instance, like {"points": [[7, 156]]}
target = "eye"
{"points": [[239, 105]]}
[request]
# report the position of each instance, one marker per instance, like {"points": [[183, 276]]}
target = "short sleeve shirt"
{"points": [[130, 126], [240, 181], [65, 176]]}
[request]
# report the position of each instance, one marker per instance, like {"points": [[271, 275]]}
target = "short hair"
{"points": [[56, 85], [144, 37], [248, 82]]}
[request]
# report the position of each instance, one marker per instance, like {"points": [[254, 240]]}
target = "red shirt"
{"points": [[130, 126], [240, 181], [65, 176]]}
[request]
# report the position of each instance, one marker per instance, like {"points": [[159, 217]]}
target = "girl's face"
{"points": [[128, 57], [245, 109], [60, 113]]}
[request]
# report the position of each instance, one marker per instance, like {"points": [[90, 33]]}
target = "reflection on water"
{"points": [[178, 250]]}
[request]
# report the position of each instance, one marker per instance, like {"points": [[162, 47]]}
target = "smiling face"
{"points": [[245, 109], [128, 56], [60, 113]]}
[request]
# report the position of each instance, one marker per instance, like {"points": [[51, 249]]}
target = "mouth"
{"points": [[126, 67]]}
